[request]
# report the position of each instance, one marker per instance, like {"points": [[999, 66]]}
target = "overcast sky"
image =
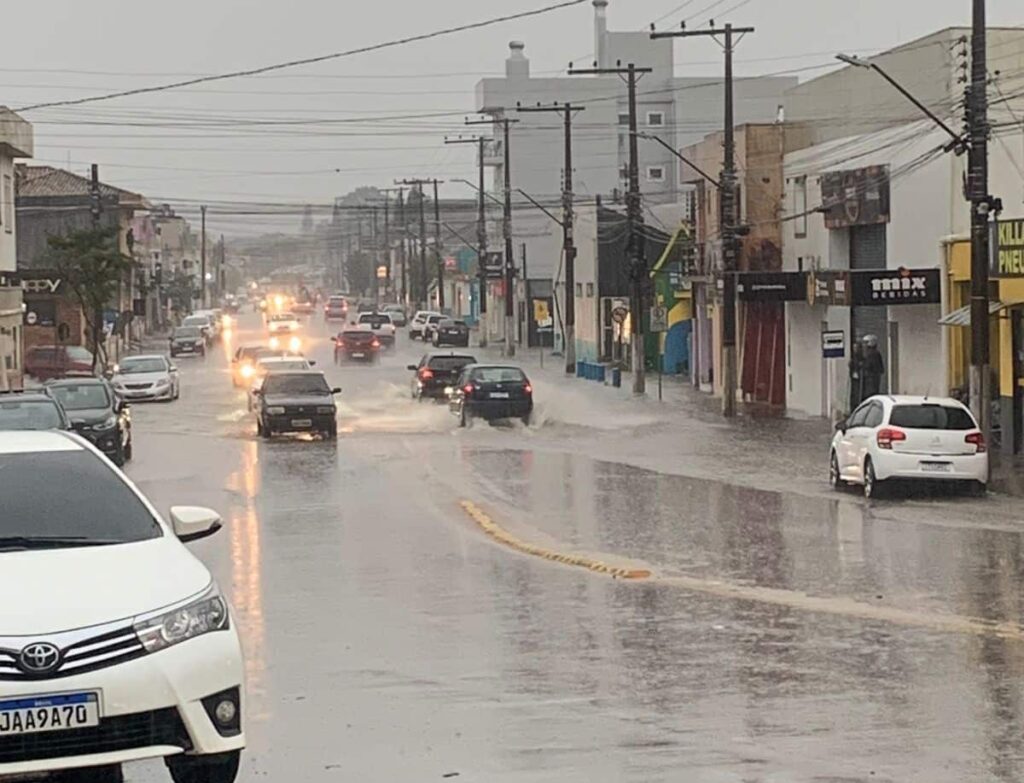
{"points": [[69, 48]]}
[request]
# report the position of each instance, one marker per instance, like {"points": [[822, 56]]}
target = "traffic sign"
{"points": [[659, 318], [833, 344]]}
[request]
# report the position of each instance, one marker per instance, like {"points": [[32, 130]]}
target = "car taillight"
{"points": [[978, 439], [468, 388], [886, 437], [375, 343], [528, 389], [341, 343], [426, 373]]}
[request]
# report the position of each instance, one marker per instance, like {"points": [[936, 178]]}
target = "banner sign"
{"points": [[856, 197], [771, 286], [494, 266], [895, 286]]}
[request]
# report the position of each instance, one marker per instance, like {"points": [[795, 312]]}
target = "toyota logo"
{"points": [[39, 658]]}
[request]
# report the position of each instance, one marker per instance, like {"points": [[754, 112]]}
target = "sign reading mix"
{"points": [[1008, 248]]}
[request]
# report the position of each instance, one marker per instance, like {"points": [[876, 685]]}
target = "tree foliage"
{"points": [[92, 266]]}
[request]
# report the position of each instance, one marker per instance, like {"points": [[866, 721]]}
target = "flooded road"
{"points": [[786, 634]]}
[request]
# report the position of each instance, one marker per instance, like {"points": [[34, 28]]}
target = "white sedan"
{"points": [[121, 646], [908, 437], [151, 377]]}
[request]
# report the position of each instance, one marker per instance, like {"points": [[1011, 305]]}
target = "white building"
{"points": [[895, 196], [15, 142]]}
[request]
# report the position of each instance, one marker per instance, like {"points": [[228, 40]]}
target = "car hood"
{"points": [[64, 589], [89, 415], [293, 399], [141, 377]]}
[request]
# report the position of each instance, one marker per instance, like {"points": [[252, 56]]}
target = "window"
{"points": [[859, 416], [579, 290], [874, 416], [655, 174], [7, 200], [623, 119], [931, 417], [800, 206], [590, 289], [655, 119]]}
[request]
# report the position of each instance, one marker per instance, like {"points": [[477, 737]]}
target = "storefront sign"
{"points": [[856, 197], [828, 287], [494, 266], [772, 286], [895, 286], [833, 344], [1008, 248], [41, 285]]}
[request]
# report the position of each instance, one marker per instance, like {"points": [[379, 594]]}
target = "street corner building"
{"points": [[16, 141]]}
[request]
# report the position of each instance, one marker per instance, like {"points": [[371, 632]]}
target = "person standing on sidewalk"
{"points": [[874, 367], [856, 375]]}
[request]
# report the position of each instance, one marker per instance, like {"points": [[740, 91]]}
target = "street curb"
{"points": [[501, 535]]}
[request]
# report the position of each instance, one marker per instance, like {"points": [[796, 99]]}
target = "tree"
{"points": [[93, 267]]}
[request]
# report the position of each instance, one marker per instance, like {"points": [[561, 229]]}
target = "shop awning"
{"points": [[962, 317]]}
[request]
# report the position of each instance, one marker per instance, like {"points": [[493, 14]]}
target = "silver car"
{"points": [[151, 377]]}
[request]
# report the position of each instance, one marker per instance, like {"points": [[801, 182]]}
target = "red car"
{"points": [[44, 362], [356, 344]]}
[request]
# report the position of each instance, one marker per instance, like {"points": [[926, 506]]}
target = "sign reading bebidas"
{"points": [[895, 286]]}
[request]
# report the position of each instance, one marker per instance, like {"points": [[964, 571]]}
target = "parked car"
{"points": [[380, 324], [31, 410], [336, 309], [451, 332], [151, 377], [97, 414], [492, 392], [44, 362], [430, 327], [296, 401], [397, 313], [122, 646], [436, 372], [187, 340], [908, 437], [419, 321], [356, 342]]}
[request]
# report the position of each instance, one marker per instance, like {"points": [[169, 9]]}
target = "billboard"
{"points": [[1008, 248], [855, 197]]}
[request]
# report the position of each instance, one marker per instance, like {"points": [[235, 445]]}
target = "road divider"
{"points": [[499, 534]]}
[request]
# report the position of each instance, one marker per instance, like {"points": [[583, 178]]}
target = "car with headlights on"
{"points": [[149, 377], [493, 392], [283, 323], [204, 323], [296, 401], [31, 410], [122, 647], [892, 438], [436, 373], [243, 362], [187, 340], [97, 414]]}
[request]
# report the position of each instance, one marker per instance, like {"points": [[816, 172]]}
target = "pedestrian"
{"points": [[856, 375], [874, 367]]}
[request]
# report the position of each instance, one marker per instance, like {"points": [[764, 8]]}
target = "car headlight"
{"points": [[275, 343], [275, 410], [162, 383], [247, 371], [295, 343], [325, 409], [204, 615], [107, 424]]}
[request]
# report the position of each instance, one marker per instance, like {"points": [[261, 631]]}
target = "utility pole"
{"points": [[437, 250], [387, 240], [635, 249], [568, 242], [481, 232], [375, 244], [418, 184], [202, 256], [402, 255], [728, 217]]}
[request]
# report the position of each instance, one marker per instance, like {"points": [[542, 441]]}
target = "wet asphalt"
{"points": [[788, 634]]}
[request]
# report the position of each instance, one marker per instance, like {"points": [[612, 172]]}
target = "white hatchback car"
{"points": [[115, 644], [907, 437]]}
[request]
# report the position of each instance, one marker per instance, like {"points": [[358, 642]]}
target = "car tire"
{"points": [[464, 418], [332, 433], [872, 486], [834, 479], [111, 773], [977, 489], [128, 450], [218, 768], [526, 419]]}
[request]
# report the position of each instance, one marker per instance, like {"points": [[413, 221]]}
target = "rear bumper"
{"points": [[452, 339], [499, 409], [967, 467], [367, 355], [433, 390]]}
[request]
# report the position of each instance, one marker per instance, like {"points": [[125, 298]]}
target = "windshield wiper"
{"points": [[51, 542]]}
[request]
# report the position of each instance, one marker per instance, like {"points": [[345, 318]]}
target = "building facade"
{"points": [[16, 141]]}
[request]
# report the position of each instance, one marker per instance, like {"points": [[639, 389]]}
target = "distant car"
{"points": [[44, 362], [336, 309], [266, 365], [492, 392], [451, 332], [908, 437], [366, 306], [436, 372], [231, 304], [31, 410], [97, 414], [430, 327], [302, 307], [204, 322], [150, 377], [243, 362], [296, 401], [397, 313], [419, 321], [356, 343], [189, 340], [380, 324]]}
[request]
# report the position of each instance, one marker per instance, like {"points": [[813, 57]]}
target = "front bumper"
{"points": [[177, 350], [966, 467], [150, 707], [107, 441], [499, 409], [143, 395], [286, 423]]}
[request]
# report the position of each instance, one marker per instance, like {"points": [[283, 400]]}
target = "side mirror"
{"points": [[312, 362], [192, 523], [336, 390], [412, 367], [841, 426], [173, 368], [108, 374]]}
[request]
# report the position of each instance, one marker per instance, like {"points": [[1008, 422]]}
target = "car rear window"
{"points": [[18, 414], [931, 417], [450, 362], [358, 334], [41, 489], [78, 354], [375, 319], [498, 375]]}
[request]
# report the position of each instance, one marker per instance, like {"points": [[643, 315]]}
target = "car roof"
{"points": [[450, 355], [300, 372], [277, 359], [76, 381], [918, 399], [490, 366], [144, 356], [33, 441], [32, 395]]}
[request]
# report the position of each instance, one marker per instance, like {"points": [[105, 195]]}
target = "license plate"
{"points": [[936, 467], [302, 423], [358, 355], [34, 714], [499, 395]]}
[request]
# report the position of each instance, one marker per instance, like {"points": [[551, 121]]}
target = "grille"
{"points": [[86, 655], [137, 386], [124, 732]]}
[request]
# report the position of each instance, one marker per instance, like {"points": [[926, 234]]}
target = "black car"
{"points": [[451, 332], [188, 339], [356, 344], [492, 392], [436, 372], [296, 401], [97, 414], [31, 410]]}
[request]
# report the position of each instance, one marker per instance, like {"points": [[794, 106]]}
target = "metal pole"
{"points": [[387, 241], [437, 249], [510, 343], [375, 244], [481, 233], [728, 220], [421, 294], [202, 255], [569, 245], [403, 257], [635, 245]]}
